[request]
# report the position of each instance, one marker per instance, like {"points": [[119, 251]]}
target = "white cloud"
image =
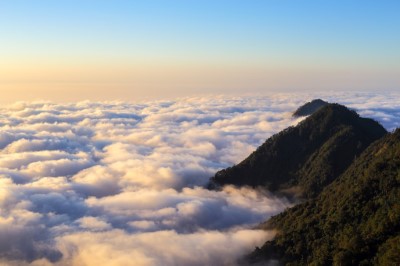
{"points": [[116, 247], [93, 223], [121, 183]]}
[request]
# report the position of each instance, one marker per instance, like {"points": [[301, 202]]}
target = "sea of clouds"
{"points": [[119, 183]]}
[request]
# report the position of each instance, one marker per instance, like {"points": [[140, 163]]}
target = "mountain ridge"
{"points": [[296, 158], [354, 221]]}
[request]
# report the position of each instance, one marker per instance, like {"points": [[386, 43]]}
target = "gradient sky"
{"points": [[73, 50]]}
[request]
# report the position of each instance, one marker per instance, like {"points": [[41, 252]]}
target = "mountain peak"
{"points": [[309, 108], [307, 157]]}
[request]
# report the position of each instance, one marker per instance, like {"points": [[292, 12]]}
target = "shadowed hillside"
{"points": [[354, 221], [305, 158]]}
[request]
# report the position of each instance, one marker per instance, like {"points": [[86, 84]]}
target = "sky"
{"points": [[101, 50]]}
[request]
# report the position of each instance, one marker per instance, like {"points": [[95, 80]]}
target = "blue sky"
{"points": [[43, 39]]}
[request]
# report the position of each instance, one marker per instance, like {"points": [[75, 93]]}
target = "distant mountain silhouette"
{"points": [[354, 221], [310, 107], [305, 158]]}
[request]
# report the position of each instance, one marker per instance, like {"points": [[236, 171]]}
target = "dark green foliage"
{"points": [[307, 157], [310, 107], [354, 221], [389, 252]]}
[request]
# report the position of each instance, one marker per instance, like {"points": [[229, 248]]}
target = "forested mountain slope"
{"points": [[305, 158], [354, 221]]}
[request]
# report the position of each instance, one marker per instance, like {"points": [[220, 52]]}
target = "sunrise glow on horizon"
{"points": [[76, 50]]}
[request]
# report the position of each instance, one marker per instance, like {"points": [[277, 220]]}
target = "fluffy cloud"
{"points": [[169, 248], [122, 183]]}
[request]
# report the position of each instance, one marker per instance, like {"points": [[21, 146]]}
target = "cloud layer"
{"points": [[121, 183]]}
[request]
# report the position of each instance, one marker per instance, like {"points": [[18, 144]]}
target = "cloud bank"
{"points": [[118, 183]]}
